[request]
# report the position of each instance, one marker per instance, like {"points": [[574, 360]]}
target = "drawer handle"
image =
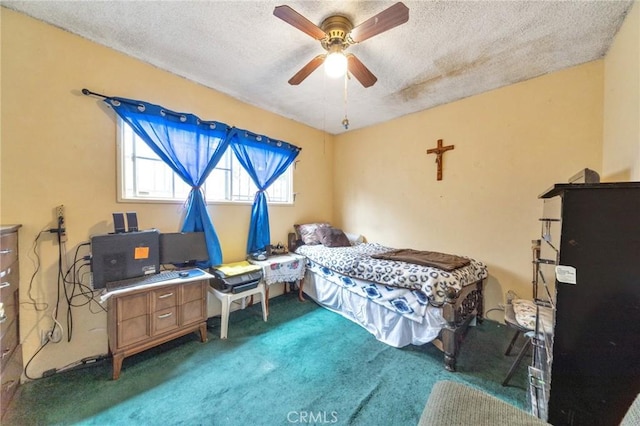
{"points": [[5, 272], [5, 284], [163, 316], [164, 296], [6, 251]]}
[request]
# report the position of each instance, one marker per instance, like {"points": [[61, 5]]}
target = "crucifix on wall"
{"points": [[439, 150]]}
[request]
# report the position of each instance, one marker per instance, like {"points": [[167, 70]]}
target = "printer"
{"points": [[235, 277]]}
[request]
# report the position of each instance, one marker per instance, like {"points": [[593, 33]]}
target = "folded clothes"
{"points": [[447, 262]]}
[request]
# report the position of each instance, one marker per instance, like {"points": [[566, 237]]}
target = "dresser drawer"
{"points": [[164, 320], [8, 249], [9, 282], [9, 297], [132, 306], [8, 342], [11, 377], [163, 298], [191, 292], [8, 322], [194, 311], [132, 331]]}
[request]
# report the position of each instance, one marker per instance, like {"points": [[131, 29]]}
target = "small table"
{"points": [[284, 268], [227, 298]]}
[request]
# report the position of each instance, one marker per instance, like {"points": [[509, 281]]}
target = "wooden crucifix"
{"points": [[439, 151]]}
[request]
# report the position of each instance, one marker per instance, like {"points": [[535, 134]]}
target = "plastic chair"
{"points": [[227, 298], [511, 321]]}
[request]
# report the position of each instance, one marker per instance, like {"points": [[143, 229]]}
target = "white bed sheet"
{"points": [[386, 325]]}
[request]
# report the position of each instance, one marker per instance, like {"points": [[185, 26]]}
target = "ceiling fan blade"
{"points": [[306, 70], [383, 21], [359, 71], [292, 17]]}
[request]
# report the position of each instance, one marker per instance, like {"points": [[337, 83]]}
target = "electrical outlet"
{"points": [[55, 335], [44, 337], [61, 222]]}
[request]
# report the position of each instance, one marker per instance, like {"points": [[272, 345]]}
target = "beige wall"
{"points": [[59, 147], [510, 145], [621, 159]]}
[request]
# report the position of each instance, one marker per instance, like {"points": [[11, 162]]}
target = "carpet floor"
{"points": [[306, 365]]}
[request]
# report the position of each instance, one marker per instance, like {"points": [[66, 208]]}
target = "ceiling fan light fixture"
{"points": [[335, 65], [337, 33]]}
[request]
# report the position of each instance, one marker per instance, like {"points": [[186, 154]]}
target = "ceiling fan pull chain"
{"points": [[345, 121]]}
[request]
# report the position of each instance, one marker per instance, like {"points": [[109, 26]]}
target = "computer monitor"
{"points": [[183, 249], [116, 257]]}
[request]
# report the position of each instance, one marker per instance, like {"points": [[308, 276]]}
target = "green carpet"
{"points": [[306, 365]]}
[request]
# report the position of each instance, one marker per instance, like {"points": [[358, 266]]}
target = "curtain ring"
{"points": [[115, 102], [162, 113], [141, 108], [279, 143], [183, 118], [212, 125], [258, 138]]}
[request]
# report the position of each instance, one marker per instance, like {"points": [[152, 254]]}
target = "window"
{"points": [[144, 176]]}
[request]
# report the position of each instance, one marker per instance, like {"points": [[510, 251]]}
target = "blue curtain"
{"points": [[265, 160], [190, 146]]}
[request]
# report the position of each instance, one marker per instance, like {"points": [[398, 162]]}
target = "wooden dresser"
{"points": [[139, 319], [11, 365]]}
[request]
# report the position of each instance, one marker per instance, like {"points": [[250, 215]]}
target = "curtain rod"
{"points": [[88, 92], [182, 116]]}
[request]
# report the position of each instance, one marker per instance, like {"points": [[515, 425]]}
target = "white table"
{"points": [[284, 268], [227, 298]]}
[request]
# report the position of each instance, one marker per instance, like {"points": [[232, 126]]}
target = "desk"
{"points": [[139, 318], [284, 268]]}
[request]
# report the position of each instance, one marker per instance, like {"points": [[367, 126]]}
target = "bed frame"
{"points": [[459, 310]]}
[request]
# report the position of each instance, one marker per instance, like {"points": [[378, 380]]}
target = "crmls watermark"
{"points": [[312, 417]]}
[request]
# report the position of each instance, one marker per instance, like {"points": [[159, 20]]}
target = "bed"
{"points": [[399, 302]]}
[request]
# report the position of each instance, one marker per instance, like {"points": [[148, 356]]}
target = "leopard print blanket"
{"points": [[356, 262]]}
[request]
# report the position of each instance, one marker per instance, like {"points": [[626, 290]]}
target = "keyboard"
{"points": [[146, 279]]}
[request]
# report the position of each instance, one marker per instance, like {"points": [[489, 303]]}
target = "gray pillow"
{"points": [[332, 237], [307, 232]]}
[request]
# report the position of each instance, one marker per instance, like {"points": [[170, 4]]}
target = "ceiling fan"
{"points": [[336, 34]]}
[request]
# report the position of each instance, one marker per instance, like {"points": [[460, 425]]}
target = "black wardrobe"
{"points": [[592, 373]]}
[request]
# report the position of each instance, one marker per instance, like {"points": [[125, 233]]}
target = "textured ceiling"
{"points": [[446, 51]]}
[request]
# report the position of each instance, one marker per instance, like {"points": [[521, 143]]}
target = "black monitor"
{"points": [[121, 256], [183, 249]]}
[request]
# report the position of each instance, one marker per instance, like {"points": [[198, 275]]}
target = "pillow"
{"points": [[307, 232], [332, 237], [355, 238]]}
